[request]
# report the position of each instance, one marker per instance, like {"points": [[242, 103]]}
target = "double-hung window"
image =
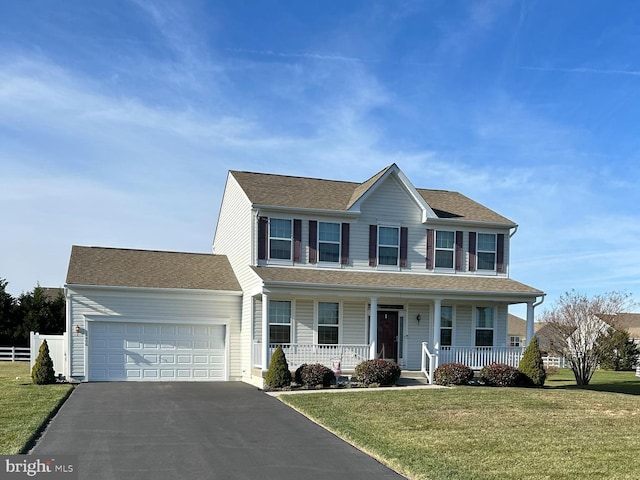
{"points": [[328, 323], [280, 231], [514, 341], [484, 326], [279, 322], [329, 242], [486, 251], [446, 326], [445, 245], [388, 245]]}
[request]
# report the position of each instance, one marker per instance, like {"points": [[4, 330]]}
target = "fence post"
{"points": [[13, 354]]}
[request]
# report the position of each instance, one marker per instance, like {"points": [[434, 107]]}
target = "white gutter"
{"points": [[116, 288], [515, 229], [307, 211]]}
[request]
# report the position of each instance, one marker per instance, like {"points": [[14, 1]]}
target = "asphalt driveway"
{"points": [[225, 430]]}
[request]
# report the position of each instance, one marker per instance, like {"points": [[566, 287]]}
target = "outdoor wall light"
{"points": [[77, 329], [418, 318]]}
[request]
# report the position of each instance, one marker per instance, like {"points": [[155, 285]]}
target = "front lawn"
{"points": [[491, 433], [24, 407]]}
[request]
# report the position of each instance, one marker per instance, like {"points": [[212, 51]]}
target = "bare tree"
{"points": [[575, 324]]}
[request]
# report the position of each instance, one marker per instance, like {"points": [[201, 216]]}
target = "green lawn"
{"points": [[24, 407], [559, 432]]}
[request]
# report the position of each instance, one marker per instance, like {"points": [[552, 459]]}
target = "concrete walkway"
{"points": [[225, 430]]}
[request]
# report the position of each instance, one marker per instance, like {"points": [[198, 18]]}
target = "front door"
{"points": [[388, 335]]}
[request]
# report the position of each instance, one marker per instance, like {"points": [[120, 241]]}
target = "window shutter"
{"points": [[313, 241], [263, 225], [297, 240], [344, 260], [373, 245], [404, 243], [500, 253], [430, 248], [458, 250], [472, 251]]}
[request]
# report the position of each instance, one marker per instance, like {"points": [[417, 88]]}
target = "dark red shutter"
{"points": [[313, 241], [373, 245], [404, 244], [458, 250], [472, 251], [297, 240], [500, 253], [344, 259], [430, 248], [263, 226]]}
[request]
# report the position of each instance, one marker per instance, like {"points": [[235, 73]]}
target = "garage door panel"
{"points": [[154, 352]]}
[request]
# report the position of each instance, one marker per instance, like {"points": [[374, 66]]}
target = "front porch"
{"points": [[350, 355]]}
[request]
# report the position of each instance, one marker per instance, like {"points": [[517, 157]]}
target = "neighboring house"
{"points": [[516, 331], [333, 271], [627, 321]]}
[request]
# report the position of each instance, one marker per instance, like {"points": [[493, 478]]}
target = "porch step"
{"points": [[412, 374]]}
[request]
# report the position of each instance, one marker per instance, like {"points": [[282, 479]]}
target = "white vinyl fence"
{"points": [[15, 354], [57, 350]]}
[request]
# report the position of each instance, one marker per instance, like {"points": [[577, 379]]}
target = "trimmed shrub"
{"points": [[502, 375], [382, 372], [278, 374], [531, 364], [314, 374], [452, 374], [42, 372]]}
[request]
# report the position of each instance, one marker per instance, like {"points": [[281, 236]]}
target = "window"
{"points": [[388, 245], [444, 249], [484, 326], [514, 341], [280, 239], [328, 323], [279, 322], [446, 326], [329, 242], [486, 251]]}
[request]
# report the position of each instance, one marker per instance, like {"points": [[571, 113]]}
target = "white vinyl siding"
{"points": [[304, 321], [354, 322]]}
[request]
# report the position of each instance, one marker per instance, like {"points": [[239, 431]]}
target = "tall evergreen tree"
{"points": [[531, 363], [616, 350]]}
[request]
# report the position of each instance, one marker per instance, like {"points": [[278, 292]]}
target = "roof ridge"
{"points": [[144, 250], [301, 177]]}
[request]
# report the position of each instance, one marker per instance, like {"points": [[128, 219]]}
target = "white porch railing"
{"points": [[349, 355], [428, 362], [478, 357]]}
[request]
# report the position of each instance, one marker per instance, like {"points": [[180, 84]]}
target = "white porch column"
{"points": [[437, 313], [530, 321], [373, 328], [265, 330]]}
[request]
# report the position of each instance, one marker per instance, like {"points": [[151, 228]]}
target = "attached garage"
{"points": [[139, 315], [122, 351]]}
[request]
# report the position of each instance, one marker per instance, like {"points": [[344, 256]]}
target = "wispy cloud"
{"points": [[597, 71]]}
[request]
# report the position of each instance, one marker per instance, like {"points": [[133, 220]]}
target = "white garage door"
{"points": [[156, 352]]}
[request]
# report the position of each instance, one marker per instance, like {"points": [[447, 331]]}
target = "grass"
{"points": [[24, 407], [560, 432]]}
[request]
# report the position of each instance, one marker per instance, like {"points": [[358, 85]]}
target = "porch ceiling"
{"points": [[401, 282]]}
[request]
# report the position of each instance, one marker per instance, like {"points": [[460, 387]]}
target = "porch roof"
{"points": [[414, 282]]}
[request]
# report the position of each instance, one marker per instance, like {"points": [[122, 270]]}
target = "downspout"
{"points": [[530, 313]]}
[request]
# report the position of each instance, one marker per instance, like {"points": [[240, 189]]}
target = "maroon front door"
{"points": [[388, 335]]}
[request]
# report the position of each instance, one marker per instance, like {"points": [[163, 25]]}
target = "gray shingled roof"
{"points": [[314, 193], [150, 269], [426, 283]]}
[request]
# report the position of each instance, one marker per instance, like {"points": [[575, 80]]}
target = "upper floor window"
{"points": [[329, 242], [485, 322], [388, 245], [514, 341], [279, 322], [445, 247], [280, 233], [486, 251], [446, 326], [328, 323]]}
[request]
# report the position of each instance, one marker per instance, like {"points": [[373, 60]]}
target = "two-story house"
{"points": [[331, 270]]}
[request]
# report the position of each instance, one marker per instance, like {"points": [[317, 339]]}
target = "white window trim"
{"points": [[279, 261], [316, 324], [453, 250], [388, 267], [519, 340], [494, 251], [292, 330], [475, 323], [339, 242], [453, 326]]}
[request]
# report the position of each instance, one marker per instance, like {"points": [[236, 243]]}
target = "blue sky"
{"points": [[119, 120]]}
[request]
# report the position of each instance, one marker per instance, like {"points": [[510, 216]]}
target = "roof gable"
{"points": [[119, 267]]}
